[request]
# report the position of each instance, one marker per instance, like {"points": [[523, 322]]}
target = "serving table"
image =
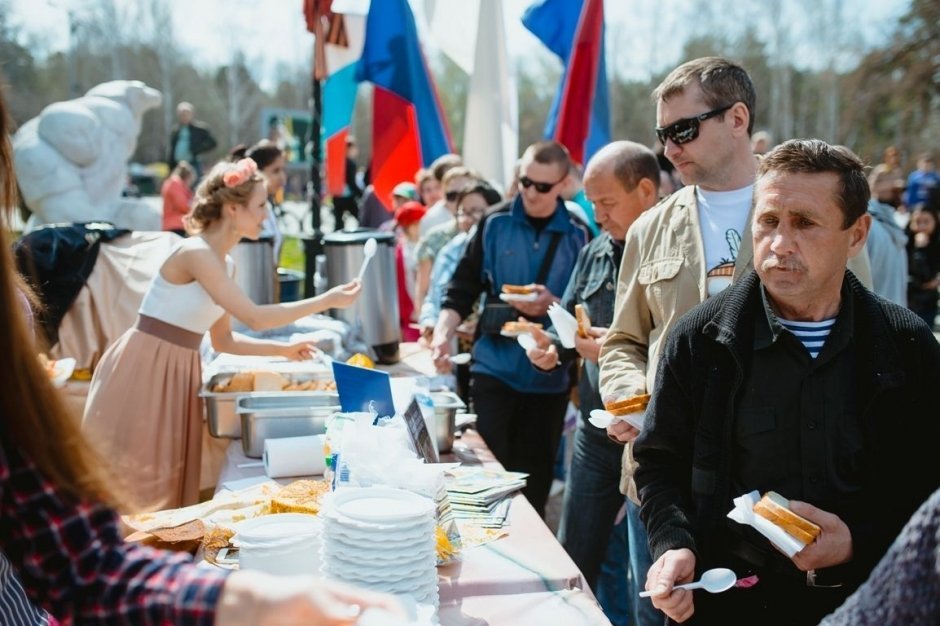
{"points": [[523, 578]]}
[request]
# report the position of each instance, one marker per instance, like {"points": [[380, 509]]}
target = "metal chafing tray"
{"points": [[222, 419], [286, 414]]}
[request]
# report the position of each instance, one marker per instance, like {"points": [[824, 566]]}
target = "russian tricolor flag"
{"points": [[409, 128], [580, 114]]}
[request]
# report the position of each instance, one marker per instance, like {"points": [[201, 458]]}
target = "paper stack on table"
{"points": [[480, 496]]}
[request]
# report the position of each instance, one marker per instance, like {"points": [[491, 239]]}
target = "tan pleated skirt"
{"points": [[145, 418]]}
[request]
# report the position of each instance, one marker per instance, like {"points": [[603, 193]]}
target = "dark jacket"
{"points": [[57, 261], [593, 285], [200, 141], [685, 451], [506, 249]]}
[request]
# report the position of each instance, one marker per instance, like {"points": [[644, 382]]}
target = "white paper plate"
{"points": [[378, 558], [413, 538], [419, 575], [519, 297], [400, 526], [381, 505], [62, 371], [421, 584]]}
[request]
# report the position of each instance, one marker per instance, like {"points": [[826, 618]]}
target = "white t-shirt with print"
{"points": [[722, 215]]}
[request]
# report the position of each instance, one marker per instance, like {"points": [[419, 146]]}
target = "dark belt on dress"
{"points": [[168, 332]]}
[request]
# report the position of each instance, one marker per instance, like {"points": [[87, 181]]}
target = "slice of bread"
{"points": [[520, 327], [519, 290], [301, 496], [269, 381], [584, 322], [775, 508], [241, 382], [633, 404]]}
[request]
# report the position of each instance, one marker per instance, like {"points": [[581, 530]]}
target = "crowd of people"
{"points": [[776, 303]]}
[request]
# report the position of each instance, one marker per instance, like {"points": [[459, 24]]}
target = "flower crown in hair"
{"points": [[243, 170]]}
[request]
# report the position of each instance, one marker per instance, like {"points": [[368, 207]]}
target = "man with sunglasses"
{"points": [[690, 247], [686, 249], [530, 240]]}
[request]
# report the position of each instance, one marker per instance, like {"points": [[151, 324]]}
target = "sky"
{"points": [[641, 34]]}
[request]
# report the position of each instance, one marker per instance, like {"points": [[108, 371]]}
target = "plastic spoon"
{"points": [[368, 251], [460, 359], [713, 581]]}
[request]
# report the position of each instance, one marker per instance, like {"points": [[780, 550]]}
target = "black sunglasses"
{"points": [[527, 182], [451, 196], [686, 130]]}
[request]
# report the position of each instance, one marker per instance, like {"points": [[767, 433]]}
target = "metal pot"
{"points": [[255, 272], [375, 314], [446, 405]]}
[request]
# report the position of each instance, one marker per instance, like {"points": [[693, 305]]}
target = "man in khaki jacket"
{"points": [[693, 244]]}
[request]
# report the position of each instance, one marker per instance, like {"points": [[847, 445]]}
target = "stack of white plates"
{"points": [[382, 539]]}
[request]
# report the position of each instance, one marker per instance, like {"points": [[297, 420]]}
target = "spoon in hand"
{"points": [[713, 581], [368, 251]]}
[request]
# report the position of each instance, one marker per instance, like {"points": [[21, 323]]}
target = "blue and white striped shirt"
{"points": [[811, 334]]}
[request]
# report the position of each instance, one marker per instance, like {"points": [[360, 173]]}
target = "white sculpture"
{"points": [[71, 160]]}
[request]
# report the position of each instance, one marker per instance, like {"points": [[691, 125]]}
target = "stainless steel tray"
{"points": [[220, 406], [284, 414]]}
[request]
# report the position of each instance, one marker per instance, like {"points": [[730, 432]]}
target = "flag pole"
{"points": [[316, 186], [313, 245]]}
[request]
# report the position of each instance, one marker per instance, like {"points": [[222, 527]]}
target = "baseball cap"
{"points": [[406, 190], [410, 213]]}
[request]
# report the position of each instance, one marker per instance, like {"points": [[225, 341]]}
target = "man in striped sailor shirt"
{"points": [[796, 379]]}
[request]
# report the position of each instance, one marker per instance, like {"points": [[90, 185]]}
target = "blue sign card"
{"points": [[358, 387]]}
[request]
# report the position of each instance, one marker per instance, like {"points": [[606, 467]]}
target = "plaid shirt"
{"points": [[73, 562]]}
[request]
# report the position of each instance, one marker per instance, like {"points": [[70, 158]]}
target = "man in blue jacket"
{"points": [[530, 240]]}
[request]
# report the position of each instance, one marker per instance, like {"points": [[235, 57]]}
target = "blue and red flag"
{"points": [[409, 130], [580, 114]]}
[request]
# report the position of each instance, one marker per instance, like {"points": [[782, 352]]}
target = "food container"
{"points": [[446, 406], [285, 544], [220, 406], [283, 414]]}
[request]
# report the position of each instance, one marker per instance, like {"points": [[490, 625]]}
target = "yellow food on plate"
{"points": [[301, 496], [214, 540], [361, 360], [445, 549]]}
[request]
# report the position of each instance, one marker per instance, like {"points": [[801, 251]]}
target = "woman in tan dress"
{"points": [[143, 413]]}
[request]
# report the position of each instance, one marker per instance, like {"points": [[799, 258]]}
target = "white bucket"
{"points": [[283, 544]]}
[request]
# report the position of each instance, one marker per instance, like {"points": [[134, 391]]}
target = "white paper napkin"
{"points": [[743, 513], [565, 324]]}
